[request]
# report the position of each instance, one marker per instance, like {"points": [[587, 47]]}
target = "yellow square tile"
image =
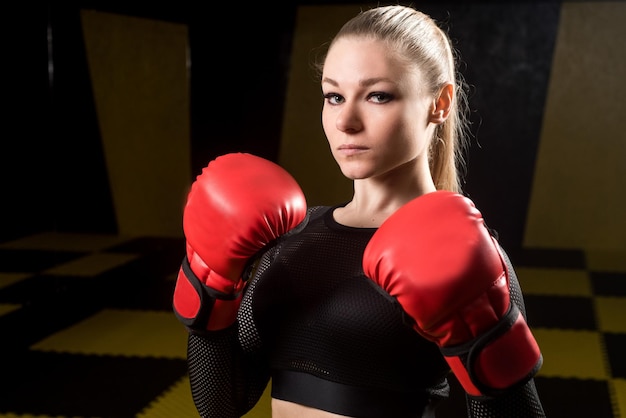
{"points": [[64, 242], [122, 333], [606, 260], [611, 313], [571, 354], [263, 408], [618, 396], [91, 265], [7, 279], [562, 282], [6, 308], [176, 401]]}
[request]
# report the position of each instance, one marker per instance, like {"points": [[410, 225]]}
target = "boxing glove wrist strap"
{"points": [[497, 360], [213, 293], [201, 308]]}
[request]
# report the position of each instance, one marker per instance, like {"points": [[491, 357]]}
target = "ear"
{"points": [[440, 108]]}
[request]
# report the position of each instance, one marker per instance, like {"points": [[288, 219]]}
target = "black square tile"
{"points": [[45, 289], [141, 279], [41, 314], [608, 284], [88, 386], [34, 260], [548, 258], [574, 398], [143, 245], [151, 295], [565, 312], [615, 348]]}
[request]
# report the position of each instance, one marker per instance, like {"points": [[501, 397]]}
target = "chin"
{"points": [[353, 175], [355, 171]]}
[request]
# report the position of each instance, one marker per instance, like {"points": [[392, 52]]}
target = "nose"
{"points": [[349, 118]]}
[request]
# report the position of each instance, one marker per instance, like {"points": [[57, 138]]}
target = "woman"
{"points": [[351, 310]]}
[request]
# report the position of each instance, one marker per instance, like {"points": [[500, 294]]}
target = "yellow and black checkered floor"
{"points": [[87, 329]]}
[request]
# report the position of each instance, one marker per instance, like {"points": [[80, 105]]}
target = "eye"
{"points": [[333, 98], [379, 97]]}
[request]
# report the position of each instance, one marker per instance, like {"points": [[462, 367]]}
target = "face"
{"points": [[376, 113]]}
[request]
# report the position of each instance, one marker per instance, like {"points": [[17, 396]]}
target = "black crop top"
{"points": [[325, 323], [326, 335]]}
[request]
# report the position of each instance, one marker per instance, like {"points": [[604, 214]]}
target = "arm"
{"points": [[437, 258], [236, 210], [520, 402], [225, 382], [238, 206]]}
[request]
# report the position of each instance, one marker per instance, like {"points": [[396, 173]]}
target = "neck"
{"points": [[375, 199]]}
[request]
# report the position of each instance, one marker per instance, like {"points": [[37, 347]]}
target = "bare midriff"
{"points": [[285, 409]]}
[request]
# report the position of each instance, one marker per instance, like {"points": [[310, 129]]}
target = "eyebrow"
{"points": [[365, 83]]}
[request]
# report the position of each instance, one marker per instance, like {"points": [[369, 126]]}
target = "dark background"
{"points": [[53, 172], [53, 177]]}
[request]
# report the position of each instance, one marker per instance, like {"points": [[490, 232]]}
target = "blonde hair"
{"points": [[418, 39]]}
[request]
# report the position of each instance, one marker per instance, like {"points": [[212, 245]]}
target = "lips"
{"points": [[351, 149]]}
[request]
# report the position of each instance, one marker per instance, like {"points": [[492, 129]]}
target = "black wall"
{"points": [[53, 175]]}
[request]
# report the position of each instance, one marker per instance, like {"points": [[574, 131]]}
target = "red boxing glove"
{"points": [[236, 207], [438, 259]]}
